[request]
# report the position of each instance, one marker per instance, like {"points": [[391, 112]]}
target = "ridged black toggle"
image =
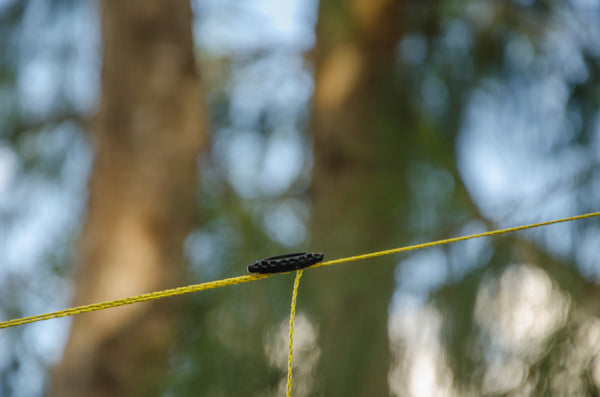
{"points": [[285, 263]]}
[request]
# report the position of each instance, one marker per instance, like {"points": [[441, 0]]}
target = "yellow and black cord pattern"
{"points": [[257, 276]]}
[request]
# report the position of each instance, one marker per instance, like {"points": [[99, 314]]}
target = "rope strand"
{"points": [[134, 299], [291, 341], [454, 240], [254, 277]]}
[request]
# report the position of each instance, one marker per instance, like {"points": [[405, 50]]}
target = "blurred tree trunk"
{"points": [[357, 190], [148, 131]]}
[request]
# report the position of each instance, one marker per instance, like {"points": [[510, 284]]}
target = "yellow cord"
{"points": [[254, 277], [134, 299], [291, 341], [453, 240]]}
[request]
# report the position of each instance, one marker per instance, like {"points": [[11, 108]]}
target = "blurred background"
{"points": [[150, 144]]}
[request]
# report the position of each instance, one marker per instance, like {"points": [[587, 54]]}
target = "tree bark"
{"points": [[357, 195], [149, 129]]}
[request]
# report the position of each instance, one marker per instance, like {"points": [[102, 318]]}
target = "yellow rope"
{"points": [[291, 341], [454, 240], [254, 277], [134, 299]]}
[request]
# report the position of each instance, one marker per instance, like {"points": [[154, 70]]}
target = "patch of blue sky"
{"points": [[234, 28], [423, 271]]}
